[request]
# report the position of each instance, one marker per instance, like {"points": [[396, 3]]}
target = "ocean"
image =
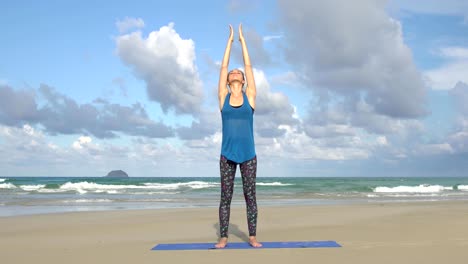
{"points": [[39, 195]]}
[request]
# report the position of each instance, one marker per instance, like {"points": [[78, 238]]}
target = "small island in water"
{"points": [[117, 174]]}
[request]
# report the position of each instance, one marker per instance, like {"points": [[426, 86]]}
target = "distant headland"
{"points": [[117, 174]]}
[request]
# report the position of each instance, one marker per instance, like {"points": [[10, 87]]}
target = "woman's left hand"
{"points": [[241, 35]]}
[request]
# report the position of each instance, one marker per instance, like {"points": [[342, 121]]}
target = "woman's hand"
{"points": [[241, 35], [231, 34]]}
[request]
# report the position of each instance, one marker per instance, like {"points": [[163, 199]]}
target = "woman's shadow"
{"points": [[233, 230]]}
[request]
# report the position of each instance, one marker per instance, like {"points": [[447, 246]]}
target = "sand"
{"points": [[429, 232]]}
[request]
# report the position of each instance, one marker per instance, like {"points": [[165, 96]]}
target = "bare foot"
{"points": [[254, 243], [222, 243]]}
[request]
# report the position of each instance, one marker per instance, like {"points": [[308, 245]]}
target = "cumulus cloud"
{"points": [[286, 78], [25, 147], [354, 51], [460, 94], [435, 149], [256, 47], [458, 140], [82, 142], [165, 62], [206, 124], [60, 114], [272, 109], [17, 107], [296, 145]]}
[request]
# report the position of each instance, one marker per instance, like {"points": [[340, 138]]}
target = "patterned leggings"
{"points": [[228, 171]]}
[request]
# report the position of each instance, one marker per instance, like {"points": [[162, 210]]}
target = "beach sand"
{"points": [[429, 232]]}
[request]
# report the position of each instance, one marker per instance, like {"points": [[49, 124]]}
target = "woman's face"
{"points": [[235, 75]]}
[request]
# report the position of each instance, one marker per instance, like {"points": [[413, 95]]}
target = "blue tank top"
{"points": [[238, 139]]}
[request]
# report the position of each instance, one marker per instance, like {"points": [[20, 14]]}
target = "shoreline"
{"points": [[416, 232], [57, 210]]}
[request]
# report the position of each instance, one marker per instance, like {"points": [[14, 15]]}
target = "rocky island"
{"points": [[117, 174]]}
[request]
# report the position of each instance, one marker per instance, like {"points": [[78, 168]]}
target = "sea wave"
{"points": [[462, 187], [30, 188], [88, 201], [422, 188], [85, 187], [2, 180], [175, 186], [7, 186]]}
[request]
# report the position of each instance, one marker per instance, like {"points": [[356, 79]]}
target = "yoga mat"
{"points": [[245, 245]]}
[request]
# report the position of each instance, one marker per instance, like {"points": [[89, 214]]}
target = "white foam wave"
{"points": [[88, 201], [2, 180], [44, 190], [175, 186], [273, 184], [156, 192], [462, 187], [30, 188], [7, 186], [423, 188], [85, 187], [406, 195]]}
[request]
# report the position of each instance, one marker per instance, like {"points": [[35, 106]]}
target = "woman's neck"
{"points": [[236, 93], [236, 90]]}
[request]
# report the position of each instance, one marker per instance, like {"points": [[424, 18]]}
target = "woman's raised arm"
{"points": [[222, 85], [251, 90]]}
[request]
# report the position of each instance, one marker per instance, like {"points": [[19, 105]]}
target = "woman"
{"points": [[237, 108]]}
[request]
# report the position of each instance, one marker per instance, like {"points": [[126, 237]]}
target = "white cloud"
{"points": [[129, 23], [23, 148], [382, 140], [295, 145], [166, 62], [273, 109], [286, 78], [458, 139], [448, 75], [27, 150], [356, 51], [435, 149], [454, 70], [82, 142], [272, 37], [455, 52]]}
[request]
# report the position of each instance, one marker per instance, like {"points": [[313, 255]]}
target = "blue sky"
{"points": [[345, 88]]}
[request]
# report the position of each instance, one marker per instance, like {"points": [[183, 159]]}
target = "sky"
{"points": [[367, 88]]}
